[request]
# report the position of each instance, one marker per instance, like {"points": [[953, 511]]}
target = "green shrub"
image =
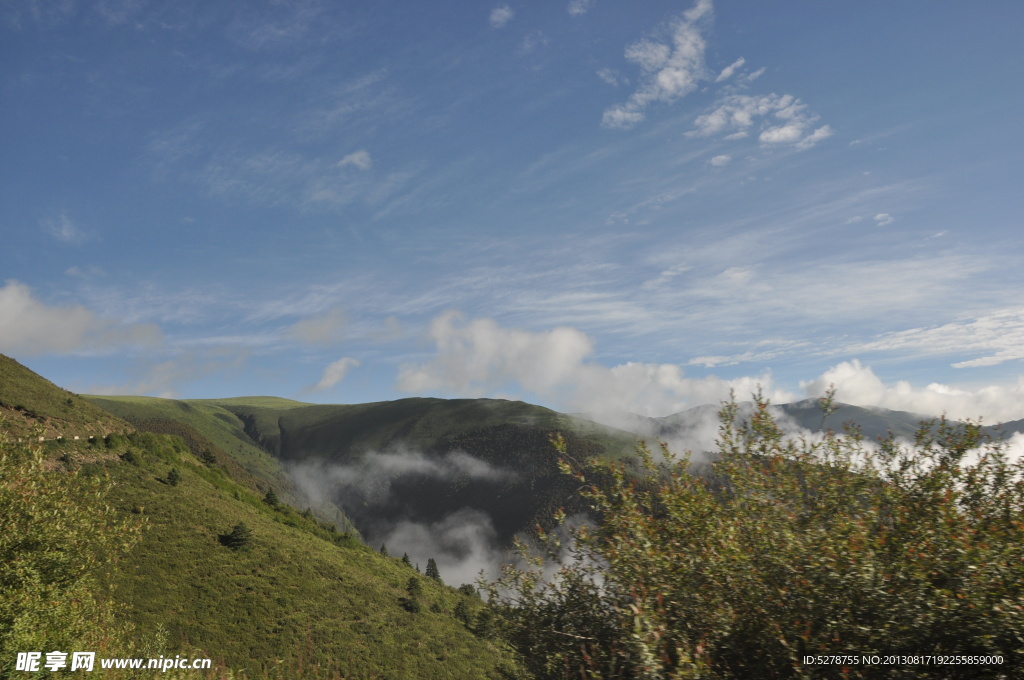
{"points": [[56, 533], [788, 548]]}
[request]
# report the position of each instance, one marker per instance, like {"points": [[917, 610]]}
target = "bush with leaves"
{"points": [[789, 547], [56, 535]]}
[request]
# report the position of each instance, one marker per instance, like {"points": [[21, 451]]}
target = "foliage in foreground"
{"points": [[56, 535], [788, 548]]}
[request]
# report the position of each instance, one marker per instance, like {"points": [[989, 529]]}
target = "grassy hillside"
{"points": [[29, 402], [208, 427], [299, 599], [299, 592]]}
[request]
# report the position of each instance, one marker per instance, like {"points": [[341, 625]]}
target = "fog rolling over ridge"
{"points": [[408, 501], [481, 472]]}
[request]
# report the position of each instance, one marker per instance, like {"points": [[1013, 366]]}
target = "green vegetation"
{"points": [[789, 548], [57, 535], [31, 404], [215, 572], [217, 437], [239, 537]]}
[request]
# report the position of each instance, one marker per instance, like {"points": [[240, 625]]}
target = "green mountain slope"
{"points": [[299, 594], [30, 403], [292, 594], [207, 426], [425, 461]]}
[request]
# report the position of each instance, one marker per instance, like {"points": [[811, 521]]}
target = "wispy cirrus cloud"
{"points": [[63, 228], [729, 70], [326, 328], [993, 338], [670, 69]]}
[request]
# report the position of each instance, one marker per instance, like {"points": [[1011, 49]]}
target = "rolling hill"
{"points": [[300, 598]]}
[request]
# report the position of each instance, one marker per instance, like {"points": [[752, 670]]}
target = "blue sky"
{"points": [[593, 205]]}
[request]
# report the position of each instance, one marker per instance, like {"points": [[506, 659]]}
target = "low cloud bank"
{"points": [[857, 384], [376, 493], [481, 358]]}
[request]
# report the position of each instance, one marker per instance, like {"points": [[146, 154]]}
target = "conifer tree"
{"points": [[432, 571], [271, 498], [383, 550], [173, 477], [463, 614], [239, 537]]}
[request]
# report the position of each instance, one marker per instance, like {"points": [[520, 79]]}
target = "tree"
{"points": [[405, 560], [271, 498], [383, 550], [415, 590], [463, 614], [788, 547], [239, 537], [173, 477], [432, 571]]}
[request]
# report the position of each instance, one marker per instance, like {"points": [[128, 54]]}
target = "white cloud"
{"points": [[824, 132], [322, 329], [668, 71], [335, 372], [360, 159], [997, 336], [30, 327], [719, 161], [729, 70], [579, 7], [481, 357], [884, 219], [63, 228], [857, 384], [501, 15], [784, 120]]}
